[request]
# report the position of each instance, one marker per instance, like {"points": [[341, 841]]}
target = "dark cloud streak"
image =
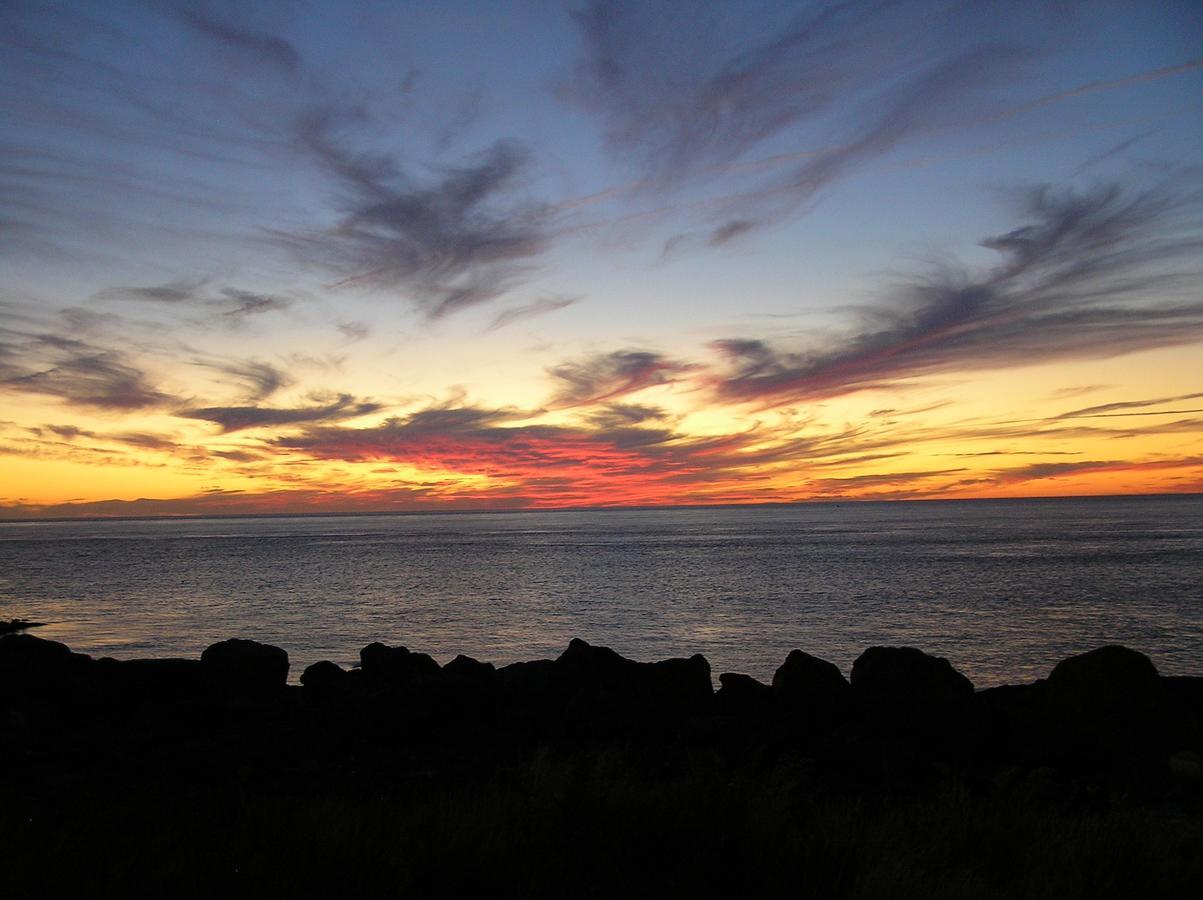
{"points": [[78, 374], [239, 418], [609, 376], [256, 45], [684, 94], [535, 308], [1093, 275], [1120, 408], [463, 239]]}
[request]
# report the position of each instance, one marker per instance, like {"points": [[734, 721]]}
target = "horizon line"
{"points": [[9, 520]]}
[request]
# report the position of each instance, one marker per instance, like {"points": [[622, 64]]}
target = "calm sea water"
{"points": [[1004, 589]]}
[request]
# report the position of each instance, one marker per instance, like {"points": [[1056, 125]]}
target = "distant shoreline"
{"points": [[188, 517]]}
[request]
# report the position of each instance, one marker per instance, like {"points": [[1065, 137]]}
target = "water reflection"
{"points": [[1003, 589]]}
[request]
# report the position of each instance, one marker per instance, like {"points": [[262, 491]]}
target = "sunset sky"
{"points": [[291, 256]]}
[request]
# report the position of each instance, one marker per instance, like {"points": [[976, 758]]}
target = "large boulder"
{"points": [[740, 695], [30, 662], [1112, 678], [583, 662], [678, 685], [1009, 723], [669, 686], [395, 665], [1186, 693], [811, 686], [152, 680], [530, 688], [12, 625], [246, 667], [324, 677], [1113, 699], [469, 670], [907, 679]]}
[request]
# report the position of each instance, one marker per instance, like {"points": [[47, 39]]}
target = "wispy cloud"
{"points": [[77, 373], [609, 376], [625, 415], [540, 307], [231, 302], [1092, 275], [461, 239], [530, 463], [355, 331], [251, 44], [239, 418], [686, 90], [1124, 407], [140, 439], [250, 303], [258, 380], [1043, 471], [173, 292]]}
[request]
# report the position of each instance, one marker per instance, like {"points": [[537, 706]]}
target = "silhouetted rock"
{"points": [[156, 680], [809, 685], [1111, 698], [465, 668], [531, 689], [672, 686], [742, 695], [907, 679], [324, 676], [395, 665], [680, 684], [1187, 765], [26, 658], [1115, 675], [1009, 722], [14, 625], [1186, 694], [244, 666], [1105, 717], [582, 661]]}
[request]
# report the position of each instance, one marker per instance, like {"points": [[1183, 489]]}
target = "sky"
{"points": [[385, 256]]}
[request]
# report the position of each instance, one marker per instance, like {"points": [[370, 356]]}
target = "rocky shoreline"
{"points": [[1103, 739]]}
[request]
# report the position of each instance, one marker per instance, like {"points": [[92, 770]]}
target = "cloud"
{"points": [[77, 373], [1041, 471], [355, 331], [251, 44], [249, 303], [533, 463], [610, 376], [530, 310], [1123, 407], [461, 239], [235, 303], [620, 415], [684, 90], [672, 98], [1092, 275], [260, 380], [623, 453], [182, 291], [925, 102], [238, 418], [69, 432], [142, 440], [239, 456], [875, 480]]}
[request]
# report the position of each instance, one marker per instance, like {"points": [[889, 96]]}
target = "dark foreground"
{"points": [[592, 775]]}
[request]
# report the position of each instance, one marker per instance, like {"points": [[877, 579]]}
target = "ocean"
{"points": [[1003, 589]]}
